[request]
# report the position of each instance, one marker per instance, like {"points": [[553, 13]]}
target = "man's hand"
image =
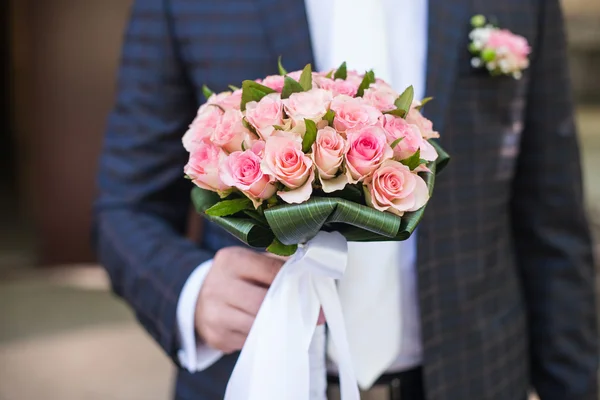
{"points": [[231, 295]]}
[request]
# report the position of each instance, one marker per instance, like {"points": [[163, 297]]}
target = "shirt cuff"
{"points": [[193, 356]]}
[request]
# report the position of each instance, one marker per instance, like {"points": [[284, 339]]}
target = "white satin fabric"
{"points": [[275, 362]]}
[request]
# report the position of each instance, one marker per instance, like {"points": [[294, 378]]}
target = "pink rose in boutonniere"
{"points": [[500, 51]]}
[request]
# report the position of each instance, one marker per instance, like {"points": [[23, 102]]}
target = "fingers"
{"points": [[254, 267], [245, 296], [227, 329], [321, 320]]}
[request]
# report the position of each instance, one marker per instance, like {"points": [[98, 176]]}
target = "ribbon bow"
{"points": [[274, 362]]}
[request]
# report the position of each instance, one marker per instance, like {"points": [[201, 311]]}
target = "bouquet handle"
{"points": [[284, 354]]}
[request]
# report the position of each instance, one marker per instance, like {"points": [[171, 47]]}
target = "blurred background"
{"points": [[60, 327]]}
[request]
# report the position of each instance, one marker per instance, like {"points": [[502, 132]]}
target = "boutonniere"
{"points": [[500, 51]]}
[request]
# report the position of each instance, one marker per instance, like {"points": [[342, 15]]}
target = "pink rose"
{"points": [[230, 132], [241, 169], [233, 101], [258, 148], [328, 155], [295, 75], [265, 113], [353, 113], [505, 39], [203, 167], [397, 128], [348, 86], [275, 82], [367, 149], [202, 127], [394, 188], [512, 51], [312, 105], [425, 126], [382, 99], [285, 161]]}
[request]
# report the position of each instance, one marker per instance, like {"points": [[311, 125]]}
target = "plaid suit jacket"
{"points": [[505, 267]]}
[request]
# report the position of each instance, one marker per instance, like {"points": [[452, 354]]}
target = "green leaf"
{"points": [[329, 117], [404, 101], [282, 70], [257, 216], [310, 136], [249, 126], [368, 79], [397, 112], [247, 230], [443, 157], [244, 148], [229, 207], [477, 21], [488, 55], [233, 88], [218, 106], [413, 161], [395, 143], [297, 223], [350, 192], [280, 249], [342, 211], [423, 102], [207, 92], [329, 74], [253, 91], [306, 78], [290, 86], [341, 72]]}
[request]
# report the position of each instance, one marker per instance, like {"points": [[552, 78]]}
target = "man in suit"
{"points": [[503, 295]]}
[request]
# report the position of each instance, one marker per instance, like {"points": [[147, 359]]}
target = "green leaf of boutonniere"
{"points": [[253, 91], [341, 72], [306, 78], [233, 88], [478, 21], [290, 86]]}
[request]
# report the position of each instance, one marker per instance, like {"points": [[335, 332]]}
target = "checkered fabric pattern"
{"points": [[504, 255]]}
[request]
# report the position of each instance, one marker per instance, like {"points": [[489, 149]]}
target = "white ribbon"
{"points": [[275, 363]]}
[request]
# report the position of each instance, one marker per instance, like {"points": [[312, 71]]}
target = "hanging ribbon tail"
{"points": [[274, 362]]}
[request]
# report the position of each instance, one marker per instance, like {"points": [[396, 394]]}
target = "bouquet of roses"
{"points": [[312, 160]]}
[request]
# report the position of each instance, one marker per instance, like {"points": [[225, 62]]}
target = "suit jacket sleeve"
{"points": [[144, 201], [554, 249]]}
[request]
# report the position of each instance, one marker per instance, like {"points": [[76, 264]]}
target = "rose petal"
{"points": [[301, 194], [335, 184]]}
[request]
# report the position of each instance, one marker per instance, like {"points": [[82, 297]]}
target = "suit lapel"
{"points": [[287, 32], [448, 25]]}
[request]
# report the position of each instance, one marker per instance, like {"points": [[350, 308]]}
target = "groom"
{"points": [[497, 283]]}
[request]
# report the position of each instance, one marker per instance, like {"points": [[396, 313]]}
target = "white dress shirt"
{"points": [[405, 25]]}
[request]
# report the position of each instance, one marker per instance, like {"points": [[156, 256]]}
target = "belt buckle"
{"points": [[395, 388]]}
